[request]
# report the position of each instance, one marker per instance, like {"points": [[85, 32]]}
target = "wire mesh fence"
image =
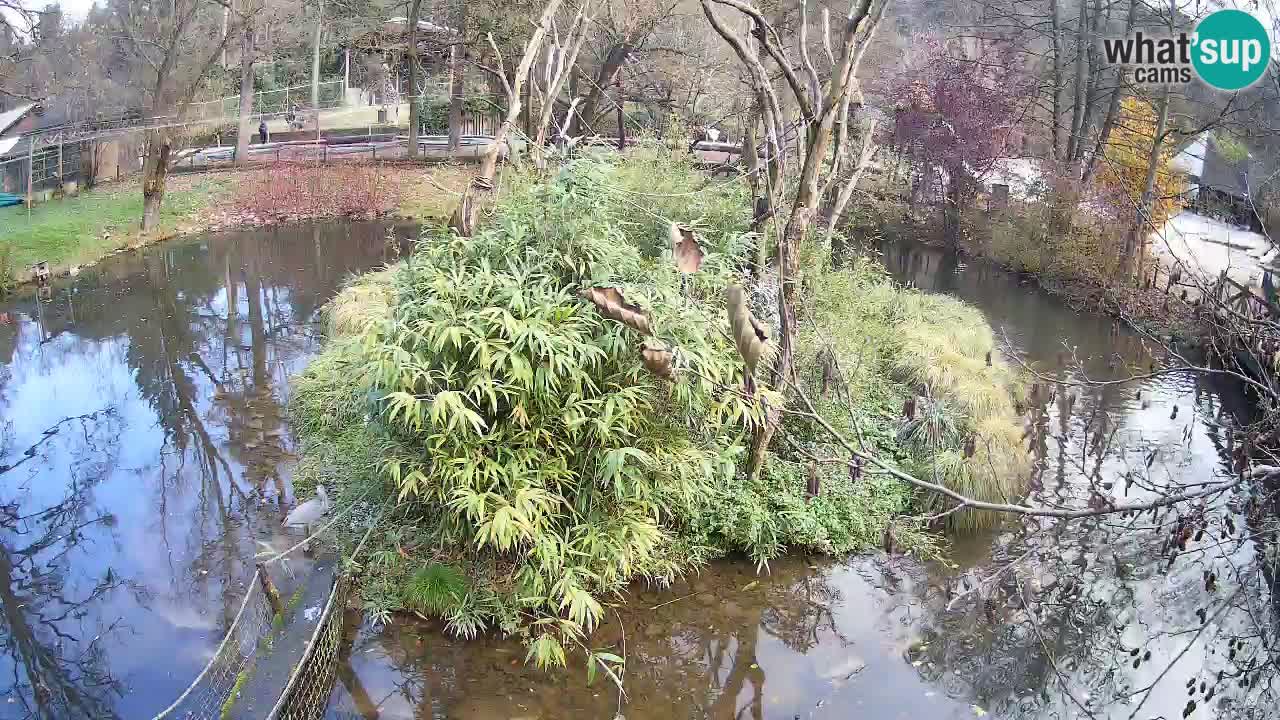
{"points": [[217, 691], [262, 660], [271, 102], [214, 690], [307, 694]]}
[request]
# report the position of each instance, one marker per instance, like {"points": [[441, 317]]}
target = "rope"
{"points": [[312, 644]]}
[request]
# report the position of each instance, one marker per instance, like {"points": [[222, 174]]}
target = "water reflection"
{"points": [[812, 639], [1157, 614], [143, 450], [1041, 619]]}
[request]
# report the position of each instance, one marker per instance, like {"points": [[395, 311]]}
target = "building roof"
{"points": [[393, 35], [9, 117], [1221, 174]]}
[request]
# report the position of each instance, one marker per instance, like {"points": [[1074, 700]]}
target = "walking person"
{"points": [[262, 132]]}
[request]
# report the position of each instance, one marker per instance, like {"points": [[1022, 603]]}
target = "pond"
{"points": [[143, 455], [1041, 619]]}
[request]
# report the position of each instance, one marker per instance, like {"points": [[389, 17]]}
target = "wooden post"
{"points": [[622, 131], [269, 588], [346, 76]]}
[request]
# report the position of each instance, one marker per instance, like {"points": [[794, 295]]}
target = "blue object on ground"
{"points": [[7, 199]]}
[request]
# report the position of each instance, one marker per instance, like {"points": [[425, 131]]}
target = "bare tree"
{"points": [[174, 46], [627, 29], [457, 78], [822, 103], [415, 104], [560, 63], [16, 21], [481, 189], [251, 14]]}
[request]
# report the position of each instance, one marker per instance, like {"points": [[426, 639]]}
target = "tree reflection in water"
{"points": [[127, 535], [52, 636]]}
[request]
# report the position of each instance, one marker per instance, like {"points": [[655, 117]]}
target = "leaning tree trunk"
{"points": [[245, 129], [803, 211], [155, 172], [611, 66]]}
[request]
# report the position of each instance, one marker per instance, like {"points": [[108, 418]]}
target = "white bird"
{"points": [[310, 511]]}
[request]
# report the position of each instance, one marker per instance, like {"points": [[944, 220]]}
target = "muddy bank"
{"points": [[422, 193]]}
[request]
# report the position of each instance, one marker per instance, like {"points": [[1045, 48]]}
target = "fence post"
{"points": [[269, 588], [60, 165], [31, 172]]}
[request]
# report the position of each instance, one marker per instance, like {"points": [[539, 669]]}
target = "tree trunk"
{"points": [[575, 122], [415, 102], [155, 172], [754, 168], [1113, 107], [480, 192], [1057, 79], [803, 211], [566, 68], [836, 211], [245, 129], [612, 64], [315, 69], [1142, 216], [1075, 143], [952, 208], [458, 79]]}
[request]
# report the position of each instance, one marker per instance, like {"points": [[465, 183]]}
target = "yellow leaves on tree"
{"points": [[1125, 160]]}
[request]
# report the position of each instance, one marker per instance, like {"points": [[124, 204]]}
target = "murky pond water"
{"points": [[1042, 619], [143, 451]]}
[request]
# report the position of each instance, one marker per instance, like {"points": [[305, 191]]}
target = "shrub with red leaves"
{"points": [[297, 191]]}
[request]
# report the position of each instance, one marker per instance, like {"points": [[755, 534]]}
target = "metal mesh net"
{"points": [[211, 693], [239, 680], [307, 694], [216, 692]]}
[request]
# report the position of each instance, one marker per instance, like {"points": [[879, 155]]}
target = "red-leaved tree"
{"points": [[957, 117]]}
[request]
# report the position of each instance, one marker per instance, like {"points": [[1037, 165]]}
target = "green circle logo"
{"points": [[1232, 49]]}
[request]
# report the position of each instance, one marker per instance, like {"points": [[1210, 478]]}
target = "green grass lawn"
{"points": [[70, 231]]}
